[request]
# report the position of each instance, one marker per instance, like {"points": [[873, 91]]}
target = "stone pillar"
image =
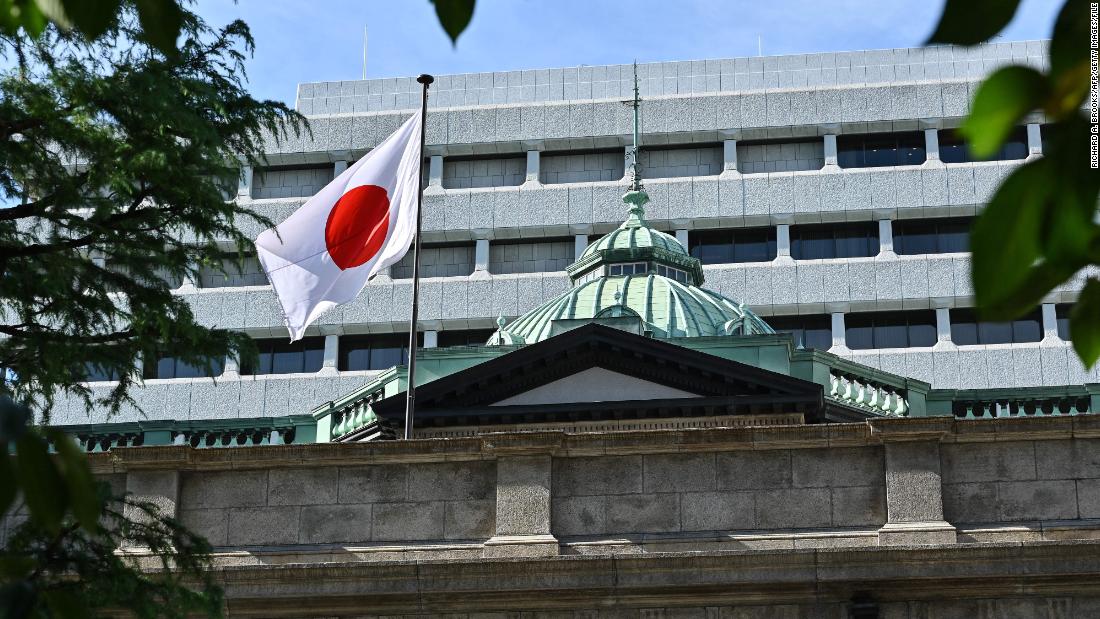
{"points": [[1034, 140], [431, 338], [244, 185], [1050, 322], [481, 256], [339, 167], [932, 145], [830, 150], [435, 171], [232, 367], [840, 338], [943, 328], [532, 168], [783, 243], [523, 508], [682, 236], [914, 489], [332, 351], [729, 156], [189, 281], [161, 488], [580, 243], [886, 237]]}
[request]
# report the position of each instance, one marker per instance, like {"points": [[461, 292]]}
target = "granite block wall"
{"points": [[669, 493]]}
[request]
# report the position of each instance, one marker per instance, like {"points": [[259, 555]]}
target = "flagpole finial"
{"points": [[636, 196], [425, 79]]}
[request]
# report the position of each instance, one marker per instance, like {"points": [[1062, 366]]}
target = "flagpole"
{"points": [[410, 398]]}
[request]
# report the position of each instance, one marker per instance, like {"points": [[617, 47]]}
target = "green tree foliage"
{"points": [[116, 164], [61, 554], [1039, 230]]}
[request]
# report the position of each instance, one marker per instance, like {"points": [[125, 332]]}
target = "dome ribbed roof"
{"points": [[635, 237], [665, 306]]}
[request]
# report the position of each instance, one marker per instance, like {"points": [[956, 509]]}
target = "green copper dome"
{"points": [[641, 279]]}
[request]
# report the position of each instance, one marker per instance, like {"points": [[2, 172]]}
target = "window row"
{"points": [[916, 329], [868, 150]]}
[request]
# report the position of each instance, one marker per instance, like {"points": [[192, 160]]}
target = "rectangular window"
{"points": [[277, 356], [728, 246], [437, 260], [93, 372], [166, 366], [375, 352], [469, 337], [630, 268], [531, 256], [671, 273], [967, 330], [814, 332], [954, 149], [931, 236], [1061, 313], [880, 150], [845, 240], [865, 331]]}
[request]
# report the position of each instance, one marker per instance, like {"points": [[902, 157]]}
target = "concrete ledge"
{"points": [[916, 534], [503, 546]]}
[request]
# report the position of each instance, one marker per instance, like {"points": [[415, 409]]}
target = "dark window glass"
{"points": [[726, 246], [880, 150], [375, 352], [167, 366], [890, 330], [277, 356], [931, 236], [1061, 313], [472, 337], [808, 331], [954, 149], [967, 330], [93, 372], [846, 240]]}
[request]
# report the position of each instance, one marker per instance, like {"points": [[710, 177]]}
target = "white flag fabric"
{"points": [[359, 224]]}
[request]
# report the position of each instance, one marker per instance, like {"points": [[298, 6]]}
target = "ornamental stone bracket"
{"points": [[914, 488], [523, 509]]}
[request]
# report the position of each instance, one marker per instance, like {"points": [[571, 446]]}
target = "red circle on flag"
{"points": [[357, 226]]}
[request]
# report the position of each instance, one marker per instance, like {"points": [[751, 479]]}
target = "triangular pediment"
{"points": [[595, 385], [596, 372]]}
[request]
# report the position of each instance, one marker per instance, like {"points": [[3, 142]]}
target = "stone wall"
{"points": [[918, 518]]}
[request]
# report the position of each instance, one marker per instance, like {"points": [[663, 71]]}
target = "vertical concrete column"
{"points": [[523, 508], [431, 338], [580, 243], [332, 351], [189, 282], [1050, 322], [1034, 140], [886, 237], [481, 256], [232, 367], [682, 236], [931, 145], [161, 488], [435, 171], [914, 487], [840, 338], [830, 150], [532, 167], [729, 156], [783, 242], [338, 167], [943, 328], [244, 184]]}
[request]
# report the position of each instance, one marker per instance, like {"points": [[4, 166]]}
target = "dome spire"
{"points": [[636, 197]]}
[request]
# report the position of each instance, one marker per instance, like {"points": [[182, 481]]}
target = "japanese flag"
{"points": [[359, 224]]}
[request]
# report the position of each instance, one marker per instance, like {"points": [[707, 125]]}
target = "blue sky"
{"points": [[324, 42]]}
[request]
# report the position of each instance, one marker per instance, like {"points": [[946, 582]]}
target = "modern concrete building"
{"points": [[620, 430]]}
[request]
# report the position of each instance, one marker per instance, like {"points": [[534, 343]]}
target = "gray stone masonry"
{"points": [[883, 482]]}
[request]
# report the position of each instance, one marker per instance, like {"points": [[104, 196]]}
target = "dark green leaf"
{"points": [[66, 604], [1084, 323], [1005, 240], [17, 598], [7, 481], [1002, 100], [454, 16], [83, 498], [90, 17], [25, 14], [1069, 43], [14, 566], [42, 486], [969, 22], [161, 21]]}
